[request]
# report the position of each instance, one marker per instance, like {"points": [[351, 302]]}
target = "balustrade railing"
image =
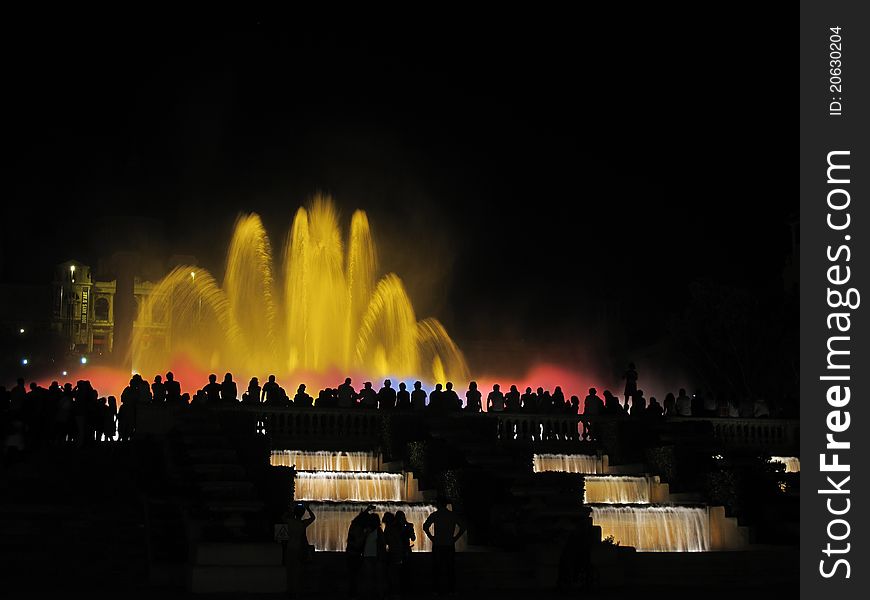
{"points": [[367, 425]]}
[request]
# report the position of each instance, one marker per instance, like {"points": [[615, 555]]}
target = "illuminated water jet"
{"points": [[321, 310], [616, 489], [350, 487], [567, 463], [792, 463], [655, 528], [323, 460]]}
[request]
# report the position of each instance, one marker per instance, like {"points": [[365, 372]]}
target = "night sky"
{"points": [[520, 179]]}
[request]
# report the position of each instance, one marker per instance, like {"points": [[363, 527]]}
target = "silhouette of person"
{"points": [[654, 409], [212, 390], [435, 403], [387, 396], [612, 406], [511, 400], [558, 400], [127, 413], [374, 551], [173, 389], [302, 399], [346, 394], [418, 396], [229, 390], [17, 395], [143, 388], [357, 532], [400, 542], [297, 545], [253, 393], [325, 398], [270, 388], [368, 398], [575, 406], [200, 398], [495, 400], [448, 529], [403, 397], [669, 408], [472, 398], [544, 403], [630, 377], [638, 404], [451, 399], [592, 404], [684, 404], [158, 391], [529, 400]]}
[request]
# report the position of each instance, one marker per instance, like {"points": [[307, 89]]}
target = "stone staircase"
{"points": [[228, 532]]}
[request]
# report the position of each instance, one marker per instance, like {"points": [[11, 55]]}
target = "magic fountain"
{"points": [[321, 309], [324, 460], [636, 510], [567, 463], [792, 463], [339, 485], [355, 486], [655, 528], [616, 489]]}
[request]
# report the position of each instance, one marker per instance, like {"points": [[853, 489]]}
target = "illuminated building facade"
{"points": [[83, 310]]}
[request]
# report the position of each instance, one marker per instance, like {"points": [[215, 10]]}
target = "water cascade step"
{"points": [[326, 461], [655, 528]]}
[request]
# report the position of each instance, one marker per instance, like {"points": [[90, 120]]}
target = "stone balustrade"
{"points": [[367, 425]]}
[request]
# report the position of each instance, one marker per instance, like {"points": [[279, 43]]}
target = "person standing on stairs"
{"points": [[297, 548], [448, 529]]}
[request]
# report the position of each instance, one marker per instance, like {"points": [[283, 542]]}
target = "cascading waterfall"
{"points": [[329, 530], [655, 528], [345, 487], [339, 485], [325, 460], [321, 309], [567, 463], [792, 463], [616, 489]]}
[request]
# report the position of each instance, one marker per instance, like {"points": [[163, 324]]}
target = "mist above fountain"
{"points": [[322, 309]]}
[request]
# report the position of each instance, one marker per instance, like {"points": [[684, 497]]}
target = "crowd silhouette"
{"points": [[78, 414], [378, 550]]}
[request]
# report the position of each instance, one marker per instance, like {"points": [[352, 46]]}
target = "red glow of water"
{"points": [[192, 377], [547, 376]]}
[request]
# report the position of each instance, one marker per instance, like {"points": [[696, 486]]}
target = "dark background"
{"points": [[541, 183]]}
